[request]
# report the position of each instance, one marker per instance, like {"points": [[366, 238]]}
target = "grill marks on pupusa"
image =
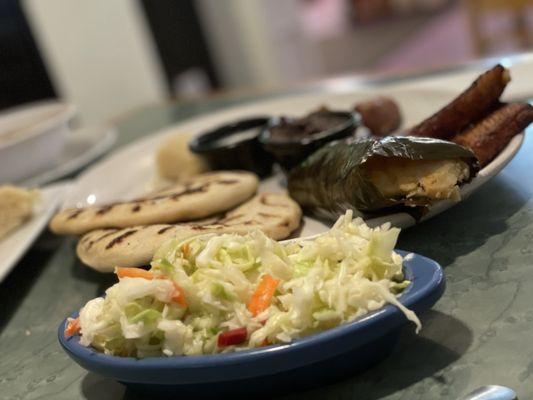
{"points": [[203, 196], [276, 215], [121, 237]]}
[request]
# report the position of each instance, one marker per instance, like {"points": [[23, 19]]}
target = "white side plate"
{"points": [[13, 246], [32, 136], [130, 171], [81, 147]]}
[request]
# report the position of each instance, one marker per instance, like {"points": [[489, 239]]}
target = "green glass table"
{"points": [[479, 333]]}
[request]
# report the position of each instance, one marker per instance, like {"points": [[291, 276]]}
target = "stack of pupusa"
{"points": [[129, 233], [16, 207]]}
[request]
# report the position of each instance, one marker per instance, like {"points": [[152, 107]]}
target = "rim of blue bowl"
{"points": [[427, 281]]}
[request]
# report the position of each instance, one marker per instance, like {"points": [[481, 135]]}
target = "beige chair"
{"points": [[479, 10]]}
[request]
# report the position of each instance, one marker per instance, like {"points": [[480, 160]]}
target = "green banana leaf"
{"points": [[333, 179]]}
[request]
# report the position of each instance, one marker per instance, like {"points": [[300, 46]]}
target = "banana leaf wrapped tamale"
{"points": [[378, 176]]}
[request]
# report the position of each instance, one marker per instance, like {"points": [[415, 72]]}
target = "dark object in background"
{"points": [[488, 137], [292, 140], [367, 11], [337, 177], [23, 76], [381, 115], [235, 146], [179, 38], [482, 97]]}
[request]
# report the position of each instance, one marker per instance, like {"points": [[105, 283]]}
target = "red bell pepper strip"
{"points": [[235, 336]]}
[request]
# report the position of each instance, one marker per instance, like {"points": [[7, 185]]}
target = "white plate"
{"points": [[82, 146], [15, 244], [130, 171]]}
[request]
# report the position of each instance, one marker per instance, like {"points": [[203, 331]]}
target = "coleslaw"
{"points": [[220, 293]]}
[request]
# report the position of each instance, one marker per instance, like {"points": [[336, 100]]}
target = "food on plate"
{"points": [[374, 175], [16, 207], [411, 173], [315, 123], [476, 102], [292, 140], [235, 145], [199, 197], [477, 119], [221, 293], [490, 135], [416, 181], [175, 162], [276, 215], [381, 115]]}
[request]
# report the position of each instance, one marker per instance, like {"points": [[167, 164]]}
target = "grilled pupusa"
{"points": [[200, 197], [103, 249]]}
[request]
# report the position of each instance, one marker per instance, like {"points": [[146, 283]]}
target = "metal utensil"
{"points": [[492, 392]]}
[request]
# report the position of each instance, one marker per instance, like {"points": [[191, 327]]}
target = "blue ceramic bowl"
{"points": [[306, 362]]}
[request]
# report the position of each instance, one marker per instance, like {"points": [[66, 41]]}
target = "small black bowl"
{"points": [[235, 146], [291, 152]]}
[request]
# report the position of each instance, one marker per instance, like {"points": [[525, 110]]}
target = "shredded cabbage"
{"points": [[321, 283]]}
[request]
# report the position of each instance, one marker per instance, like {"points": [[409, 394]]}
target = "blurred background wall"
{"points": [[109, 57], [257, 42], [100, 54]]}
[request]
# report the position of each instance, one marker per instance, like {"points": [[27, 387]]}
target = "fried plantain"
{"points": [[469, 107], [490, 135]]}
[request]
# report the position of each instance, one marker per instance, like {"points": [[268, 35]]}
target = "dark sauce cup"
{"points": [[235, 146], [291, 150]]}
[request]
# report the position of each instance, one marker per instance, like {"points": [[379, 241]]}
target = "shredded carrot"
{"points": [[179, 295], [185, 249], [73, 327], [263, 295], [264, 343], [123, 272]]}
